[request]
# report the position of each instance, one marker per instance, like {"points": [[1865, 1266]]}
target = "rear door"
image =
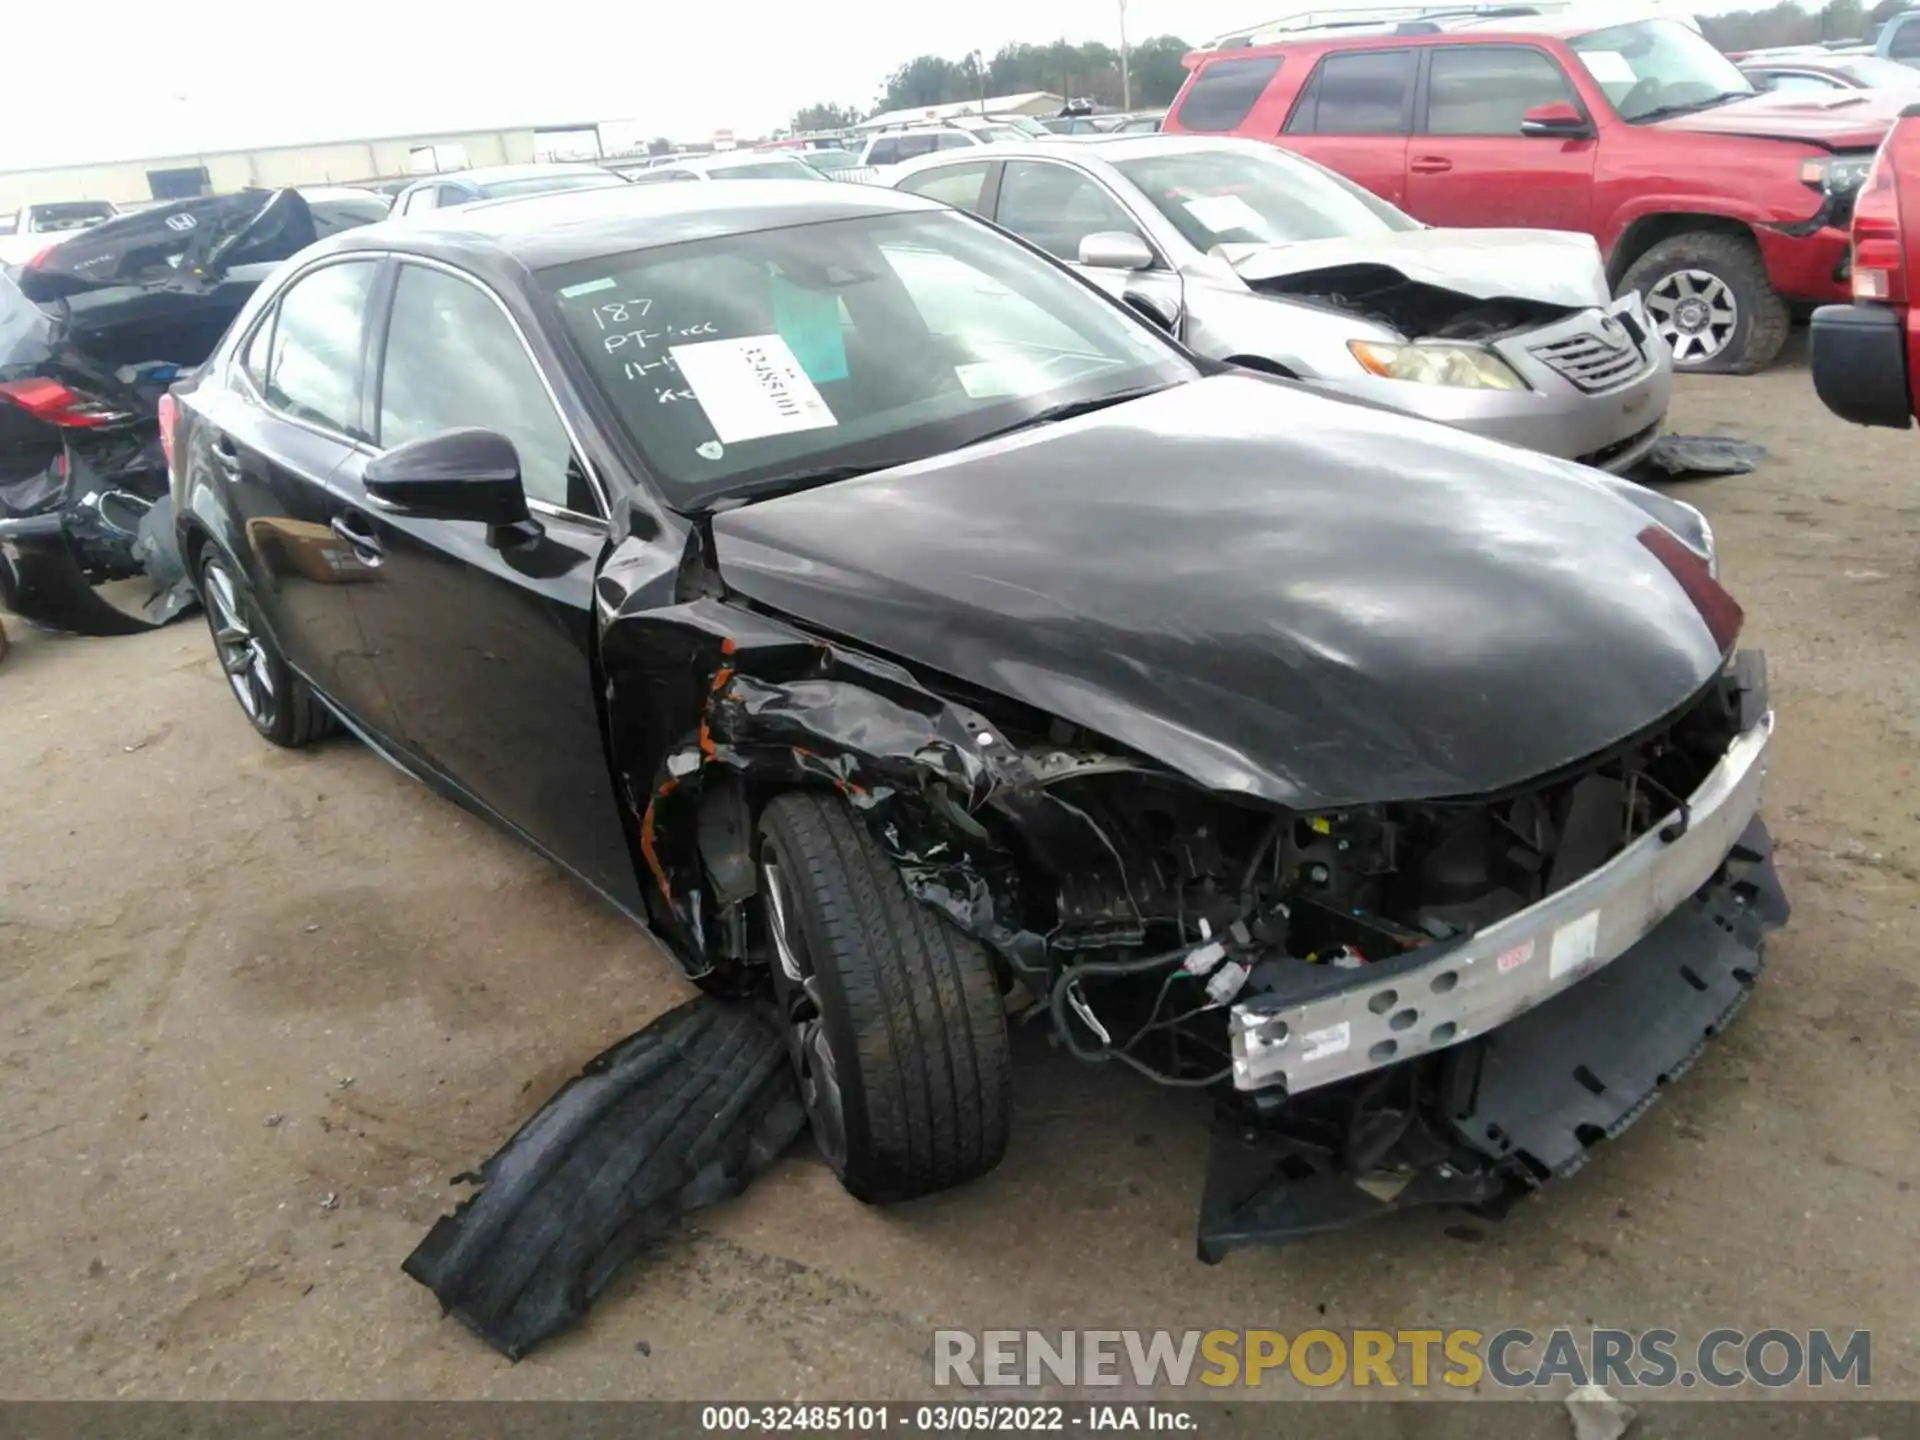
{"points": [[1355, 117], [484, 639], [274, 433], [1470, 165]]}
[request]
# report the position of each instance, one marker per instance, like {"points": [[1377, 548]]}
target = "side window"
{"points": [[885, 151], [1056, 207], [912, 146], [1905, 42], [1488, 89], [1363, 92], [958, 185], [314, 370], [951, 140], [254, 361], [1224, 92], [453, 359], [422, 199], [450, 196]]}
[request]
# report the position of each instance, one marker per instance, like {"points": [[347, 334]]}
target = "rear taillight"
{"points": [[1879, 263], [169, 413], [40, 255], [58, 404]]}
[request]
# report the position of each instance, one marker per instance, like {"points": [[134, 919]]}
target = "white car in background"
{"points": [[32, 228]]}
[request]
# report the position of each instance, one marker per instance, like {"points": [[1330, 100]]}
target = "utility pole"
{"points": [[980, 79], [1126, 79]]}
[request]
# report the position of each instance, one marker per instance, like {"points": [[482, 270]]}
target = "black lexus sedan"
{"points": [[913, 637]]}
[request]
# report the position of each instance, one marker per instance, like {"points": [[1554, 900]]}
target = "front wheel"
{"points": [[893, 1015], [1710, 299], [275, 701]]}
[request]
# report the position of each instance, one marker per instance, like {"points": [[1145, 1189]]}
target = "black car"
{"points": [[906, 632], [92, 332]]}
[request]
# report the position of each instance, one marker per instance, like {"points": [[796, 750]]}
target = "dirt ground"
{"points": [[257, 1007]]}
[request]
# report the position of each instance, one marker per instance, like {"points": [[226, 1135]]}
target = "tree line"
{"points": [[1791, 24], [1090, 70]]}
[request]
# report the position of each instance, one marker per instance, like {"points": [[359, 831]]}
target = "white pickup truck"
{"points": [[31, 229]]}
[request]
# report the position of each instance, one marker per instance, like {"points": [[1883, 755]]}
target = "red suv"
{"points": [[1723, 207], [1866, 356]]}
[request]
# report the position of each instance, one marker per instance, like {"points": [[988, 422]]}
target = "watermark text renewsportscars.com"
{"points": [[1459, 1359]]}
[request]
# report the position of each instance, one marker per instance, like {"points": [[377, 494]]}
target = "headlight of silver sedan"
{"points": [[1467, 367]]}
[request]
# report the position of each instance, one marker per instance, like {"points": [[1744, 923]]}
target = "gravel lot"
{"points": [[256, 1007]]}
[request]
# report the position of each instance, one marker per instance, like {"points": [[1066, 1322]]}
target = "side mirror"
{"points": [[455, 475], [1115, 250], [1558, 121]]}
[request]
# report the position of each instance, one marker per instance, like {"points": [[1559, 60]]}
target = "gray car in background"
{"points": [[1254, 255]]}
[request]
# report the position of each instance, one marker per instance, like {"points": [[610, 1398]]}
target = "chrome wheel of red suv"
{"points": [[1696, 313]]}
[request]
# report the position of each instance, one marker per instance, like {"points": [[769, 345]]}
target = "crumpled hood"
{"points": [[1837, 119], [1549, 266], [1275, 593]]}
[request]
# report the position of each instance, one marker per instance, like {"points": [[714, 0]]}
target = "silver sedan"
{"points": [[1257, 256]]}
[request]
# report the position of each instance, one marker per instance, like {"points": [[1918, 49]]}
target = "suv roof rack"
{"points": [[1385, 17]]}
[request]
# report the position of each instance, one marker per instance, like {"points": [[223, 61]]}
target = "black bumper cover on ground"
{"points": [[681, 1115], [1527, 1102]]}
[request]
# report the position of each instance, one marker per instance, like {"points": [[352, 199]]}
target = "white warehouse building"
{"points": [[335, 162]]}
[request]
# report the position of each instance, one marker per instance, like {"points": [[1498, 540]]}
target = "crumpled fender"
{"points": [[711, 707]]}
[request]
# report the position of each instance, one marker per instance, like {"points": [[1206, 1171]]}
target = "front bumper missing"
{"points": [[1439, 996], [1526, 1103]]}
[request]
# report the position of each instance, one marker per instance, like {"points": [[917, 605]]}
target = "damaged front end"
{"points": [[1446, 1001], [1512, 334]]}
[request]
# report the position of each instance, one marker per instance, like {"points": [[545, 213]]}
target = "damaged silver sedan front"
{"points": [[1253, 255]]}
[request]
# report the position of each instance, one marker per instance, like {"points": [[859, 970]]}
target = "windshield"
{"points": [[738, 365], [1026, 125], [831, 160], [541, 184], [1658, 67], [1230, 197]]}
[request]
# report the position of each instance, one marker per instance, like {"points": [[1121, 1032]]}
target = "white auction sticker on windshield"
{"points": [[1221, 213], [751, 387], [1609, 67]]}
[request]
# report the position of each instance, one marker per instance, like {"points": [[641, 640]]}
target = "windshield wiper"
{"points": [[1667, 112], [1067, 409]]}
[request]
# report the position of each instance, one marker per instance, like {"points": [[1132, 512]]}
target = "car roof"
{"points": [[493, 174], [1108, 147], [560, 227], [733, 158]]}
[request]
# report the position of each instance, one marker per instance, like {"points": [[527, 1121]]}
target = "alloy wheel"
{"points": [[243, 654], [1695, 312], [796, 988]]}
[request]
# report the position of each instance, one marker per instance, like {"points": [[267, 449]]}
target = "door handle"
{"points": [[1431, 165], [366, 547], [225, 456]]}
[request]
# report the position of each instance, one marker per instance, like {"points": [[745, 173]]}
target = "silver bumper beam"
{"points": [[1390, 1013]]}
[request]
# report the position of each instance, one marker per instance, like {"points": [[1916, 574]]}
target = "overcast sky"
{"points": [[125, 79]]}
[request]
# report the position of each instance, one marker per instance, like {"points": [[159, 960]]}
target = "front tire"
{"points": [[1710, 299], [894, 1015], [276, 702]]}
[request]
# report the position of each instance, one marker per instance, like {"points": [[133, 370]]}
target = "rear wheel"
{"points": [[893, 1015], [275, 701], [1709, 298]]}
